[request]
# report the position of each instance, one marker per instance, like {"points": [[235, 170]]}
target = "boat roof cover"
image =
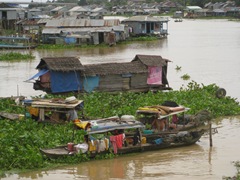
{"points": [[101, 126], [52, 103]]}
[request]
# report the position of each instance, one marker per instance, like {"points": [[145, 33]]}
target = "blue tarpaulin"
{"points": [[65, 81], [70, 40], [90, 83], [40, 73]]}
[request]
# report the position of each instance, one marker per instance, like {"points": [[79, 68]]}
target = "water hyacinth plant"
{"points": [[21, 140], [13, 56]]}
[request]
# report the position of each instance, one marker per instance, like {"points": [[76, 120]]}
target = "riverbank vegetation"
{"points": [[20, 140], [13, 56]]}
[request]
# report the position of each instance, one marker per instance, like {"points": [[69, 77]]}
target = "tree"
{"points": [[82, 2], [67, 1]]}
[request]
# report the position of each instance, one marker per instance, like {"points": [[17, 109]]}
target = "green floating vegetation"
{"points": [[185, 77], [20, 140], [13, 56]]}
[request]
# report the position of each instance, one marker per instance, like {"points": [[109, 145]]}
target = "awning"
{"points": [[40, 73], [51, 31]]}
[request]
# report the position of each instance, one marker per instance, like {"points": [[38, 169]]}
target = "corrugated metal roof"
{"points": [[193, 7], [35, 10], [12, 9], [78, 9], [81, 23], [43, 21], [74, 30], [80, 36], [51, 31], [57, 8], [146, 19]]}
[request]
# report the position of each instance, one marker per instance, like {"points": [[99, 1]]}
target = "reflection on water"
{"points": [[198, 161]]}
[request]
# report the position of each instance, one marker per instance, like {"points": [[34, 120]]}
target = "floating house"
{"points": [[67, 74]]}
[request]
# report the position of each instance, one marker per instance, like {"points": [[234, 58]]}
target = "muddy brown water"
{"points": [[208, 51], [198, 161]]}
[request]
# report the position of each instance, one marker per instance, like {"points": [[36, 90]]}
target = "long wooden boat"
{"points": [[62, 151], [136, 137], [16, 42]]}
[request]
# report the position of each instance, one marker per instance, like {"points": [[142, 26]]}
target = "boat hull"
{"points": [[62, 151]]}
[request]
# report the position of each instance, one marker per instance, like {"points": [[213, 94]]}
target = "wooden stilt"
{"points": [[210, 134]]}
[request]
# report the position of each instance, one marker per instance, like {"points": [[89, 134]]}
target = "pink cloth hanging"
{"points": [[114, 144], [117, 142]]}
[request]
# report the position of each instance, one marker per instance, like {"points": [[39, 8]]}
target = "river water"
{"points": [[206, 50]]}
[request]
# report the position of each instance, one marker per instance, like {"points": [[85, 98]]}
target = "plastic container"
{"points": [[158, 141], [146, 131], [144, 140], [70, 146], [21, 116]]}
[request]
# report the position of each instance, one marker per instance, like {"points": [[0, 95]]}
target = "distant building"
{"points": [[83, 31], [147, 25], [10, 14]]}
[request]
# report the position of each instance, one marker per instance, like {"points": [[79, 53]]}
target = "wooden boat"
{"points": [[135, 137], [16, 42], [63, 151]]}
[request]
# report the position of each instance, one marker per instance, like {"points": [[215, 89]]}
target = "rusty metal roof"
{"points": [[82, 22], [78, 9], [84, 29]]}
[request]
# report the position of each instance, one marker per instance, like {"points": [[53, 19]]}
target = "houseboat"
{"points": [[67, 74]]}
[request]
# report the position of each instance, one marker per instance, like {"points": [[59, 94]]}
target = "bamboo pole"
{"points": [[210, 134]]}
